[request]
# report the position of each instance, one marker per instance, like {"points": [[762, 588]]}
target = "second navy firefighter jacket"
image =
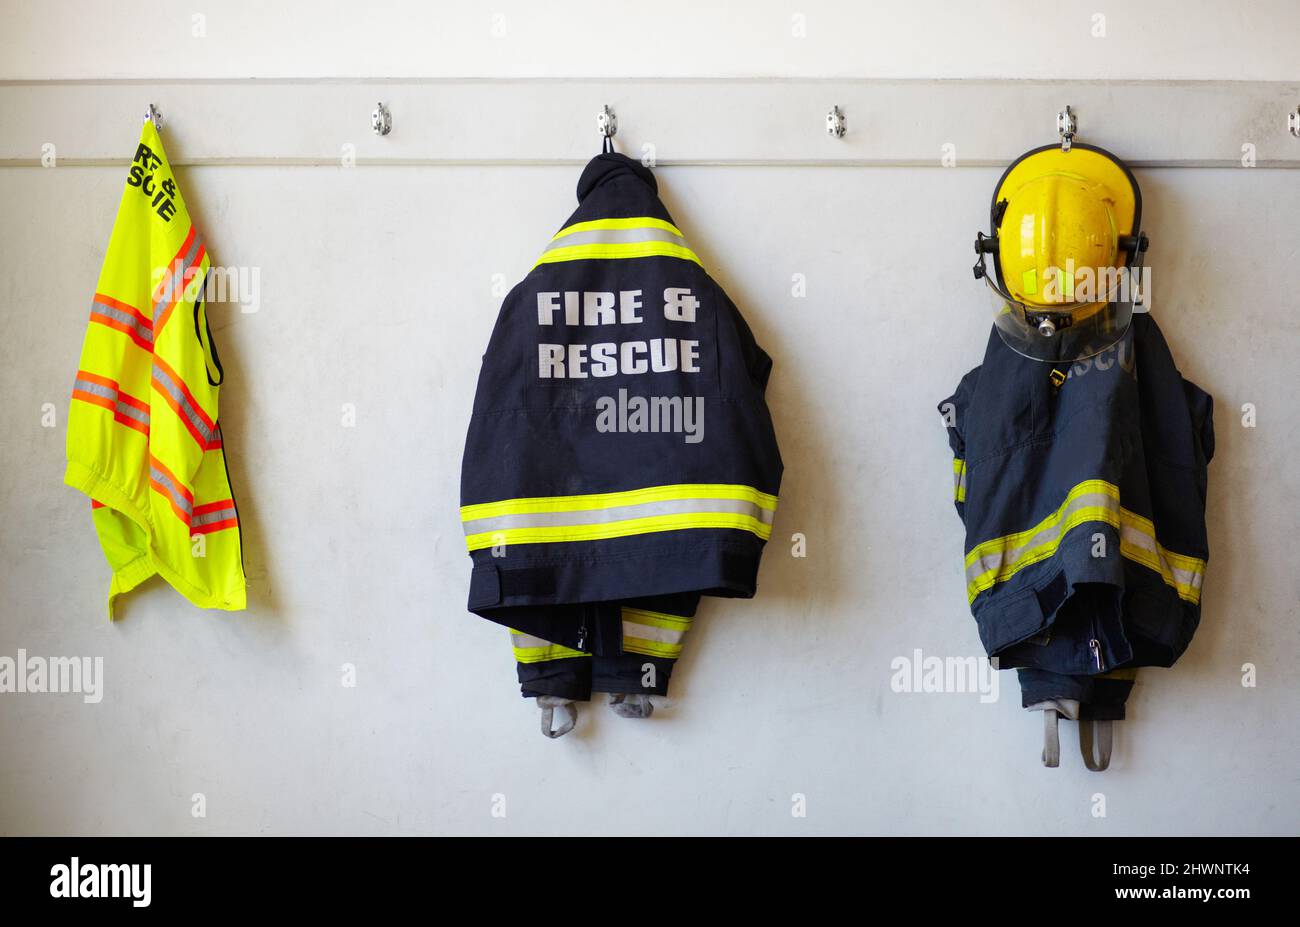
{"points": [[1082, 487], [620, 446]]}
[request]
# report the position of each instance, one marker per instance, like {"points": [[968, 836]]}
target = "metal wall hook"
{"points": [[607, 122], [836, 125], [152, 115], [1293, 122], [1066, 126], [381, 120]]}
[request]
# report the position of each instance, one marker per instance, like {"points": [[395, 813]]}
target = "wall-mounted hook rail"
{"points": [[1293, 121], [836, 125], [1066, 125], [381, 120], [754, 133]]}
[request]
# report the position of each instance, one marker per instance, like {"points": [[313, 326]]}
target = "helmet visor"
{"points": [[1070, 330]]}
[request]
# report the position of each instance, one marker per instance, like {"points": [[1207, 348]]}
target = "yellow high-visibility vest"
{"points": [[143, 438]]}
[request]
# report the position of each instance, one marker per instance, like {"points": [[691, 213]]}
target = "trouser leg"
{"points": [[1099, 698], [1094, 701], [640, 660], [545, 668], [654, 632]]}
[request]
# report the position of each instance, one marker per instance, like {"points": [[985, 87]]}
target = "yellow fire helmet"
{"points": [[1067, 252]]}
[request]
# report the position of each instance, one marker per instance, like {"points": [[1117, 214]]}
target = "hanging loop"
{"points": [[1095, 743], [1051, 738], [568, 710]]}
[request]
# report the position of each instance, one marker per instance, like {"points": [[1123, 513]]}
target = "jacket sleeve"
{"points": [[954, 410], [756, 362], [1200, 406]]}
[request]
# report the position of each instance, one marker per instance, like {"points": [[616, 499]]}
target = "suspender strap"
{"points": [[548, 704], [1095, 745], [1051, 738]]}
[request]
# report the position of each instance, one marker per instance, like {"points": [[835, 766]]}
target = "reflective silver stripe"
{"points": [[132, 412], [163, 480], [1139, 538], [529, 649], [173, 275], [126, 318], [999, 559], [527, 640], [959, 482], [209, 517], [619, 513], [615, 237], [648, 632], [174, 390], [122, 408], [94, 389]]}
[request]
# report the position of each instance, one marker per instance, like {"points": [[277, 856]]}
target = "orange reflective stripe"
{"points": [[214, 516], [168, 384], [125, 318], [105, 393], [173, 284], [177, 493]]}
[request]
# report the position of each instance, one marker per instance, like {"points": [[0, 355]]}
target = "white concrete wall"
{"points": [[1155, 39], [352, 539]]}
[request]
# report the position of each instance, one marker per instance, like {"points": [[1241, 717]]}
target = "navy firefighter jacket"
{"points": [[1082, 487], [620, 445]]}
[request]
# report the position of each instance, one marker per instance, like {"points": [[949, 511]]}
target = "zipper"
{"points": [[1095, 646]]}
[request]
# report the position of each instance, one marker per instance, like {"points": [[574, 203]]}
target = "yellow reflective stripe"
{"points": [[1012, 541], [1159, 559], [1032, 555], [618, 251], [1147, 526], [651, 648], [609, 500], [1163, 560], [657, 619], [655, 634], [614, 529], [540, 654], [959, 479], [636, 222], [529, 649]]}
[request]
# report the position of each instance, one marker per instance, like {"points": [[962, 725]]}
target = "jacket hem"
{"points": [[562, 601], [90, 482]]}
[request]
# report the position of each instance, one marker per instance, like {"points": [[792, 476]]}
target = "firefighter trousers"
{"points": [[636, 645]]}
